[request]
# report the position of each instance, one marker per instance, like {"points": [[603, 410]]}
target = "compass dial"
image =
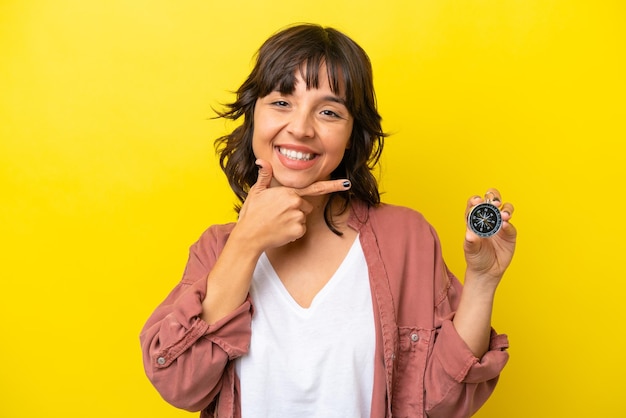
{"points": [[485, 220]]}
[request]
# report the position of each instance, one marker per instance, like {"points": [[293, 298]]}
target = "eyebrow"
{"points": [[328, 98], [335, 99]]}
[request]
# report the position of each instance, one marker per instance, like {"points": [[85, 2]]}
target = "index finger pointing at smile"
{"points": [[324, 187]]}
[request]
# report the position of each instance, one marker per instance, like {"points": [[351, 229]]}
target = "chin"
{"points": [[294, 183], [297, 179]]}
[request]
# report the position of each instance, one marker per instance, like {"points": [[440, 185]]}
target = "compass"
{"points": [[484, 220]]}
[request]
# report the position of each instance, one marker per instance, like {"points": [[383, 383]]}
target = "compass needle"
{"points": [[485, 220]]}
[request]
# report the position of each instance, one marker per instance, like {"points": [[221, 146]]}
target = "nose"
{"points": [[301, 124]]}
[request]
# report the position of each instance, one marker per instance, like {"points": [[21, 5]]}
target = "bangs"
{"points": [[304, 51], [278, 72]]}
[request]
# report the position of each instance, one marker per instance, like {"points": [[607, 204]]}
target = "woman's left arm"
{"points": [[487, 259]]}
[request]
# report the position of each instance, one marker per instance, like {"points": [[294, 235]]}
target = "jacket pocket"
{"points": [[408, 388]]}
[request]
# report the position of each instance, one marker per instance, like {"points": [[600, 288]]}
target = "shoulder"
{"points": [[398, 217], [214, 238], [387, 209], [204, 252], [401, 228], [219, 230]]}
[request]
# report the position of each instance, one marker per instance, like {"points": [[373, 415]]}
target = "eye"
{"points": [[280, 103], [330, 113]]}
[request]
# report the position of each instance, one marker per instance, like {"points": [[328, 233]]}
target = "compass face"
{"points": [[485, 220]]}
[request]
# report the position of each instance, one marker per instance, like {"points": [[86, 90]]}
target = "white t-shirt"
{"points": [[313, 362]]}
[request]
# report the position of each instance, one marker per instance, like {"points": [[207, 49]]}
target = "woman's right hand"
{"points": [[274, 216]]}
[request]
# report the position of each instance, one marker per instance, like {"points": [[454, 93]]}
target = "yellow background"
{"points": [[107, 175]]}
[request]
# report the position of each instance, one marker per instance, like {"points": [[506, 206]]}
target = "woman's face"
{"points": [[303, 135]]}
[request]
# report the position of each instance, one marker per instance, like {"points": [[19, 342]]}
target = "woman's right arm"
{"points": [[205, 321], [184, 356]]}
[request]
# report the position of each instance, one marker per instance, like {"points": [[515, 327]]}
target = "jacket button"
{"points": [[161, 360], [414, 337]]}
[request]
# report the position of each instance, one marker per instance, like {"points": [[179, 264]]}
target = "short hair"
{"points": [[306, 48]]}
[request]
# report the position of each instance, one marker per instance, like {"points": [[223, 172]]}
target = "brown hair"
{"points": [[307, 47]]}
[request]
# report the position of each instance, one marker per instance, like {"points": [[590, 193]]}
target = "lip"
{"points": [[296, 164], [296, 147]]}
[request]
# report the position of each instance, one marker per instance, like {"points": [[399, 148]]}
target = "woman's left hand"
{"points": [[488, 258]]}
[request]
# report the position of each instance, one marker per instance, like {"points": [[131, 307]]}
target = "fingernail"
{"points": [[346, 184]]}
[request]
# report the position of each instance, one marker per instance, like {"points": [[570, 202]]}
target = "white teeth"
{"points": [[295, 155]]}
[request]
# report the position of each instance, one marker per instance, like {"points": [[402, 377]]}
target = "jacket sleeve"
{"points": [[457, 383], [184, 357]]}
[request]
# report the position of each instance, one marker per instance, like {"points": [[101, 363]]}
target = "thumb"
{"points": [[265, 175], [472, 243]]}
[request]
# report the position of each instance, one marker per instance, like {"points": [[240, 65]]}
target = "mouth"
{"points": [[296, 155]]}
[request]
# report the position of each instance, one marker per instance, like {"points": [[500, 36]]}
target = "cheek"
{"points": [[261, 148], [338, 152], [255, 147], [265, 128], [346, 141], [260, 135], [349, 130]]}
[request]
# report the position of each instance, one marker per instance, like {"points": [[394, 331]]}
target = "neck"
{"points": [[316, 216], [340, 214], [316, 228]]}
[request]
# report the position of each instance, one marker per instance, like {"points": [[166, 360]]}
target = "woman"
{"points": [[321, 301]]}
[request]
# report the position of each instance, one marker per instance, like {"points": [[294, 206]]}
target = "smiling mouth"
{"points": [[296, 155]]}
